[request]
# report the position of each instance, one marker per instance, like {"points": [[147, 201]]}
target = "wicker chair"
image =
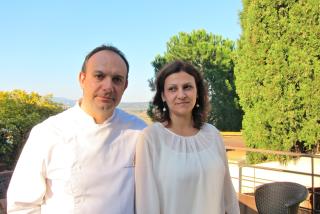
{"points": [[280, 197], [5, 177]]}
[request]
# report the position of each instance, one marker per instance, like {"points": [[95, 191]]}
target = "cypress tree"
{"points": [[278, 74]]}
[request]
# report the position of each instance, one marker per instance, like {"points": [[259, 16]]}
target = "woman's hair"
{"points": [[199, 114]]}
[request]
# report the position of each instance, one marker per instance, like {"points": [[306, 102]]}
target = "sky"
{"points": [[43, 43]]}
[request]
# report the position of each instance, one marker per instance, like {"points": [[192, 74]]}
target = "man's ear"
{"points": [[82, 76], [126, 84]]}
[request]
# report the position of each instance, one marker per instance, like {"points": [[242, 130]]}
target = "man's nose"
{"points": [[107, 84]]}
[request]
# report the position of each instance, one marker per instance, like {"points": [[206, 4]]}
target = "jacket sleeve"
{"points": [[27, 186], [146, 193]]}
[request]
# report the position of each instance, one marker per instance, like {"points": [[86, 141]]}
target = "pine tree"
{"points": [[212, 55]]}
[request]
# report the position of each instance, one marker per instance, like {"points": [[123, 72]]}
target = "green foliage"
{"points": [[6, 145], [212, 55], [278, 74], [19, 112]]}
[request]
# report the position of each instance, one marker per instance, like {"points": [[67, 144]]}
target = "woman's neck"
{"points": [[182, 126]]}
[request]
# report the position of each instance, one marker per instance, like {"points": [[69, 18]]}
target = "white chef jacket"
{"points": [[70, 164]]}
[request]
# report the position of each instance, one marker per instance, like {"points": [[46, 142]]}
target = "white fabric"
{"points": [[70, 164], [189, 175]]}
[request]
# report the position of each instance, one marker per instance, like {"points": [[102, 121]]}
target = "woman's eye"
{"points": [[172, 89], [188, 87]]}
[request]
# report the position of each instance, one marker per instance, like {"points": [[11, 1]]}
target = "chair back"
{"points": [[280, 197]]}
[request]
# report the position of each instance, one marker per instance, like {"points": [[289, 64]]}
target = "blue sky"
{"points": [[43, 43]]}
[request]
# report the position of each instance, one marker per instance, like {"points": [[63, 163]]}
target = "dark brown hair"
{"points": [[199, 114], [105, 48]]}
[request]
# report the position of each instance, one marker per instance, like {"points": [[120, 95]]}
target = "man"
{"points": [[81, 160]]}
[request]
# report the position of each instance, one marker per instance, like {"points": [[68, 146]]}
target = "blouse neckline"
{"points": [[199, 142], [173, 133]]}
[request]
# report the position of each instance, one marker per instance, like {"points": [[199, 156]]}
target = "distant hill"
{"points": [[133, 107], [64, 101]]}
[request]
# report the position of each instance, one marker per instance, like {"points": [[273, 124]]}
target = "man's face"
{"points": [[103, 84]]}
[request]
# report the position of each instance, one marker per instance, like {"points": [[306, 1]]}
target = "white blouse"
{"points": [[70, 164], [176, 174]]}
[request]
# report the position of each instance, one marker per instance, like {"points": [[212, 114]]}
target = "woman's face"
{"points": [[180, 94]]}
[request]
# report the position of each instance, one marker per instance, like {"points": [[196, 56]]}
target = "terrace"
{"points": [[303, 169]]}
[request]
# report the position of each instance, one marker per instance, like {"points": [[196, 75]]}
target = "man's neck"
{"points": [[99, 119], [99, 115]]}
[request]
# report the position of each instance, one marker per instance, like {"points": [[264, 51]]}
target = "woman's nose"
{"points": [[181, 94]]}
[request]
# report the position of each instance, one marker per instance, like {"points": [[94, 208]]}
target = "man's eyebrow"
{"points": [[98, 71], [119, 76]]}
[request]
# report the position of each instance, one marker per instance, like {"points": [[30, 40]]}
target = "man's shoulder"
{"points": [[129, 119], [59, 120]]}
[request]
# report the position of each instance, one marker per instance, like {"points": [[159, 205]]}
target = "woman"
{"points": [[181, 164]]}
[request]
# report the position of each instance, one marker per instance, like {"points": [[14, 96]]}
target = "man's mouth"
{"points": [[107, 99]]}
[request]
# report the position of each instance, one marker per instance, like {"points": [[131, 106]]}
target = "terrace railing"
{"points": [[303, 169]]}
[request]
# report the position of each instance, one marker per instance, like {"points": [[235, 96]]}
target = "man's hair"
{"points": [[105, 48], [199, 113]]}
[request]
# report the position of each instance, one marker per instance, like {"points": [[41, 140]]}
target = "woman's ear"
{"points": [[162, 97]]}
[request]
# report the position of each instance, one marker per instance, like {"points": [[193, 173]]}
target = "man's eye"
{"points": [[99, 76], [117, 80]]}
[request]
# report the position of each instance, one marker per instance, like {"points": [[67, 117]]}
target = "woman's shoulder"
{"points": [[156, 126], [207, 127], [152, 129], [212, 133], [152, 136]]}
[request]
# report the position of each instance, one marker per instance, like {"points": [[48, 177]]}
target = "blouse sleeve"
{"points": [[230, 197], [27, 186], [146, 193]]}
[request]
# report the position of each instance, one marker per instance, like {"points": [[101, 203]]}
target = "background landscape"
{"points": [[137, 108]]}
